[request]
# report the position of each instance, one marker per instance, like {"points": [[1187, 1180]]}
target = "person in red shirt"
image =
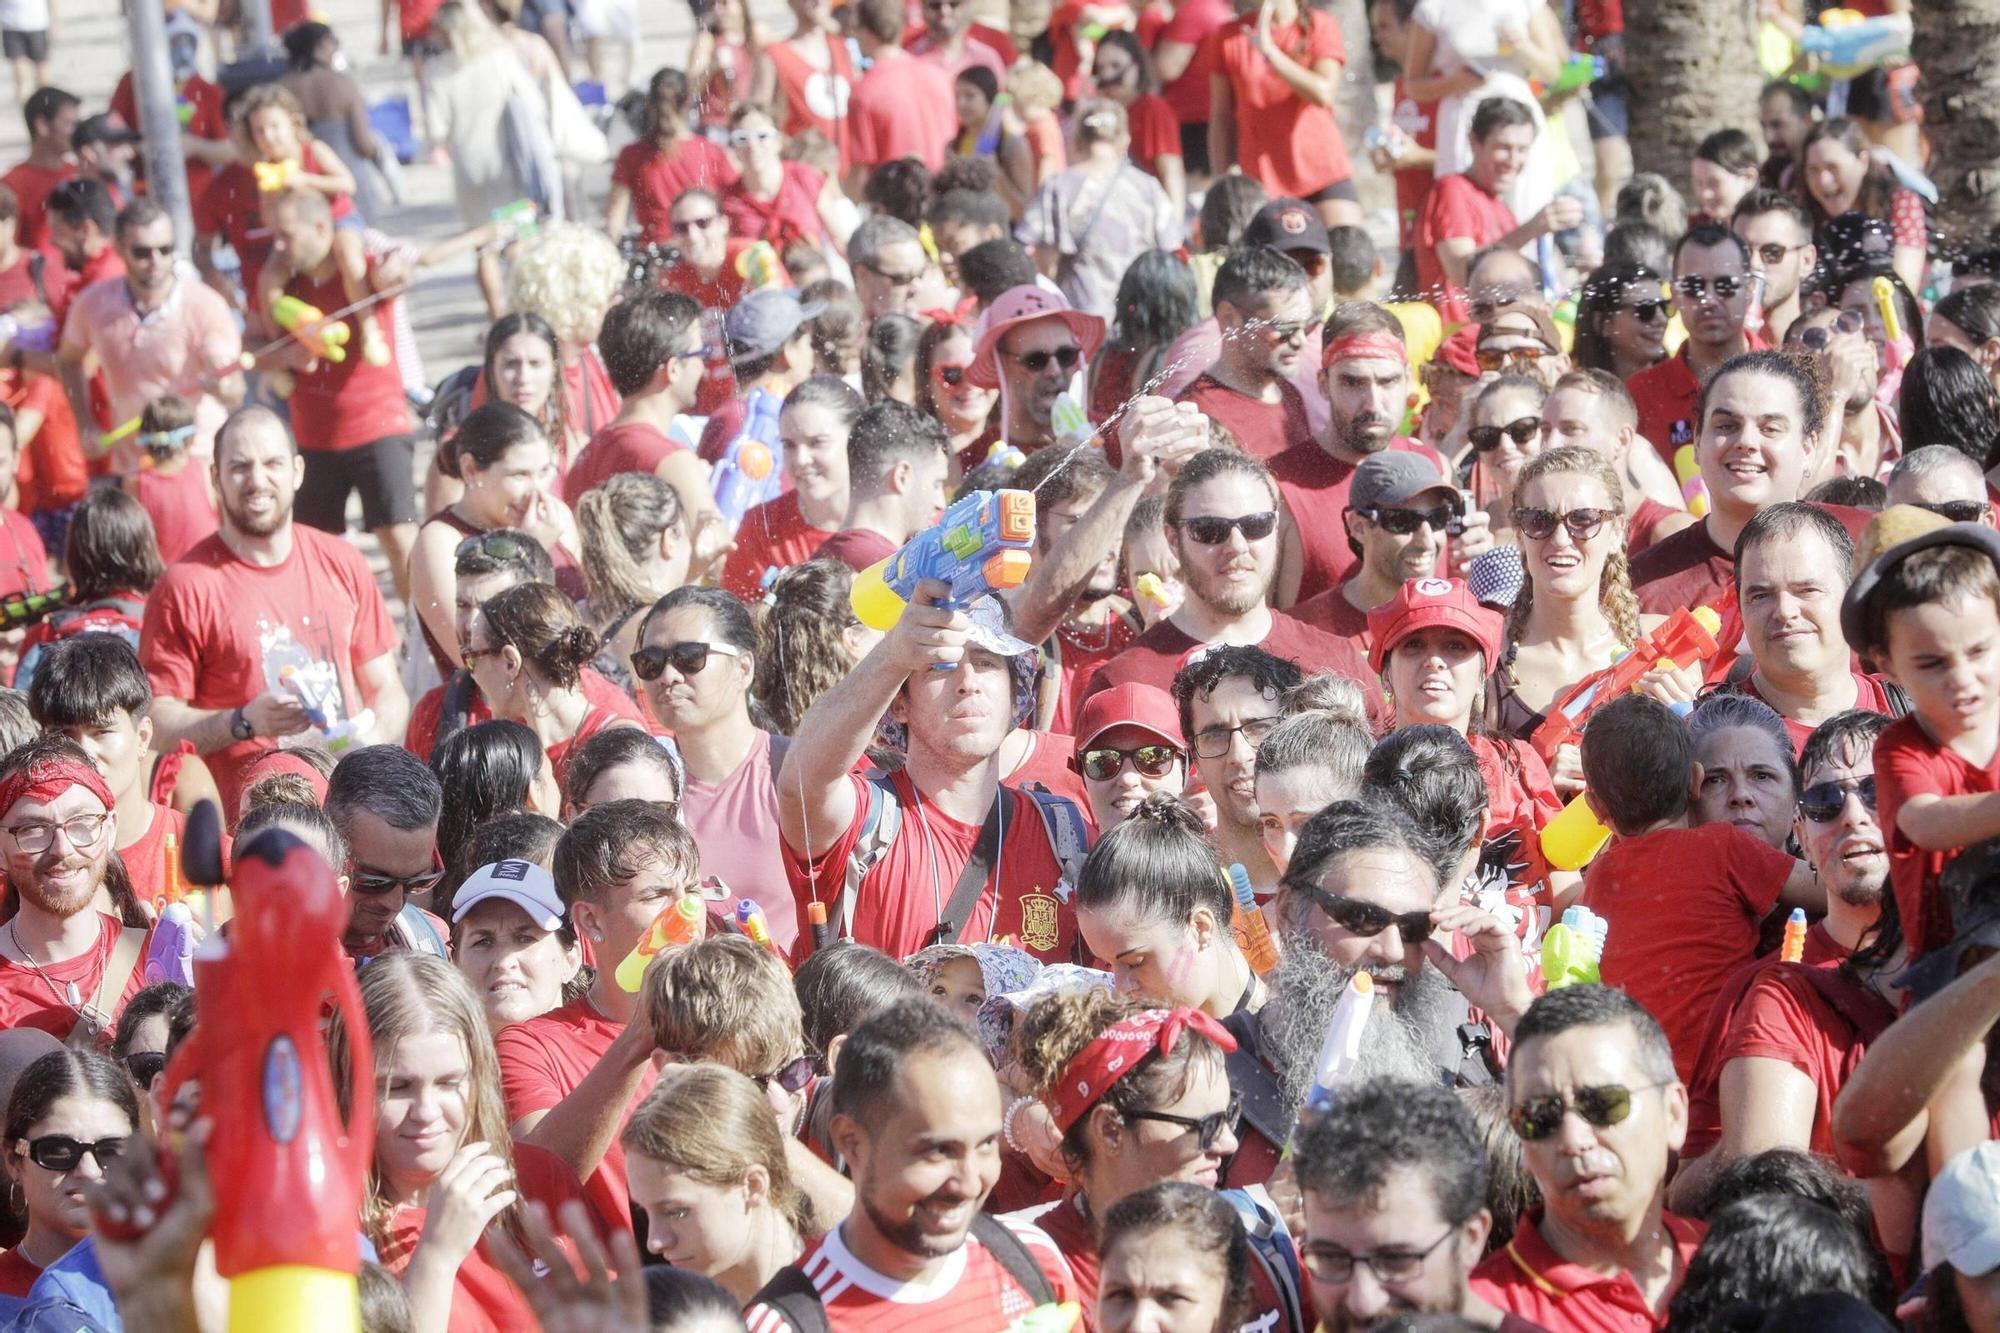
{"points": [[1408, 150], [52, 115], [711, 270], [20, 266], [897, 466], [1264, 309], [1030, 346], [1683, 903], [783, 202], [24, 559], [815, 427], [904, 106], [1593, 408], [266, 596], [1274, 77], [82, 222], [655, 171], [1713, 289], [205, 143], [1123, 72], [810, 76], [951, 41], [1593, 1098], [1400, 509]]}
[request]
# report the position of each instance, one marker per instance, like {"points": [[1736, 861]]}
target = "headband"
{"points": [[50, 778], [1360, 346], [1116, 1051]]}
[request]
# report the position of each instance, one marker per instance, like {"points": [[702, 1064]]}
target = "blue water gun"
{"points": [[982, 543], [748, 476], [1849, 44]]}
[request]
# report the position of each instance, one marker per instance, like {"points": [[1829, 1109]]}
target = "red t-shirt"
{"points": [[420, 736], [52, 471], [209, 620], [815, 99], [896, 909], [715, 296], [24, 563], [1083, 652], [972, 1290], [1869, 697], [597, 719], [203, 119], [1644, 522], [1529, 1279], [1262, 430], [1418, 122], [1909, 763], [1667, 395], [630, 446], [1683, 906], [856, 547], [903, 107], [182, 510], [1687, 568], [17, 1273], [1332, 612], [17, 284], [1047, 764], [1313, 485], [1156, 131], [146, 860], [1192, 24], [230, 206], [346, 404], [31, 999], [31, 186], [542, 1061], [1456, 207], [1289, 144], [774, 535], [792, 214], [657, 178]]}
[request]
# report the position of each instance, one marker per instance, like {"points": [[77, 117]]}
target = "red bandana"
{"points": [[47, 780], [1116, 1051], [1360, 346]]}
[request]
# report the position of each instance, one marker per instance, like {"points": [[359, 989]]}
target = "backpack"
{"points": [[791, 1293], [107, 615], [1274, 1263]]}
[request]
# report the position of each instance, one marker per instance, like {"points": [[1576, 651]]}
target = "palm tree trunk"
{"points": [[1693, 69], [1957, 46]]}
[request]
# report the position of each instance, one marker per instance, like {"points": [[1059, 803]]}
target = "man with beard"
{"points": [[263, 613], [1394, 1181], [65, 957], [1229, 701], [1222, 523], [1399, 510], [1263, 305], [1030, 345], [1713, 289], [1366, 379], [916, 1117], [1779, 235], [1361, 896], [1593, 1098], [385, 801], [1784, 1037]]}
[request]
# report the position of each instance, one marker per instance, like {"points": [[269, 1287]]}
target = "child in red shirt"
{"points": [[1683, 904]]}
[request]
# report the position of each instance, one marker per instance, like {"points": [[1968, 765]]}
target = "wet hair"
{"points": [[1976, 310], [301, 41], [1768, 1248], [1789, 520], [1365, 823], [992, 268], [61, 1074], [1801, 99], [1638, 758], [1726, 711], [1226, 209], [608, 844], [1935, 574], [1204, 1220], [711, 1122], [1614, 584], [842, 986], [1253, 273], [1732, 150], [885, 434], [1786, 1171], [84, 679], [899, 188], [1948, 399], [1158, 860], [641, 333], [1431, 774], [1269, 674], [483, 770], [801, 654], [485, 436], [513, 835], [1774, 365], [1709, 236], [1381, 1125], [873, 1058], [1578, 1006], [1206, 466], [1603, 294], [1498, 113], [168, 412], [544, 627], [889, 350], [619, 522], [615, 747], [1156, 302]]}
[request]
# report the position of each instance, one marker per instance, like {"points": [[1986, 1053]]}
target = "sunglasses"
{"points": [[687, 658], [1539, 525], [152, 251], [1822, 802], [1646, 312], [1819, 336], [471, 656], [1539, 1117], [1496, 358], [1366, 920], [1286, 331], [1150, 761], [144, 1066], [374, 881], [1487, 438], [1725, 287], [1213, 530], [1771, 252], [1403, 522], [1957, 511], [688, 226], [949, 375], [1038, 361], [792, 1076], [495, 545], [1206, 1128], [60, 1152]]}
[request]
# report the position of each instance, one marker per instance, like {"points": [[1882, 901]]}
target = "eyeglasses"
{"points": [[702, 353], [1329, 1264], [744, 138], [1213, 530], [1486, 306], [1214, 742], [1539, 1117], [1152, 761], [687, 658], [1487, 438], [1403, 522], [1957, 511], [1646, 312], [1726, 287], [1037, 361], [145, 1066], [371, 882], [1822, 802], [493, 545], [83, 831], [1771, 252], [1365, 920], [1206, 1128], [792, 1076], [151, 251], [1819, 336], [1500, 358], [688, 226], [471, 656], [1286, 331], [1538, 525], [948, 375], [60, 1152]]}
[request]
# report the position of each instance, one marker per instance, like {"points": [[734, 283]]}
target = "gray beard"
{"points": [[1398, 1042]]}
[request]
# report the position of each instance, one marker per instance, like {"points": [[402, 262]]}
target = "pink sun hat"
{"points": [[1024, 305]]}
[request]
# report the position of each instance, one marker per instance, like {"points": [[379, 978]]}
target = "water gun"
{"points": [[1686, 637], [1694, 490], [983, 542], [1069, 422], [1005, 454], [747, 474], [758, 265], [21, 609], [1849, 45], [170, 947], [1342, 1045], [1153, 592], [289, 1171], [751, 918], [1793, 950], [208, 383], [1573, 948], [678, 923], [273, 177], [317, 687], [1574, 836], [1258, 947], [516, 221], [816, 920], [327, 341], [1577, 73], [173, 888], [1896, 346]]}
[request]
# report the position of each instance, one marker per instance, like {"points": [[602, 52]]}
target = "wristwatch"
{"points": [[239, 726]]}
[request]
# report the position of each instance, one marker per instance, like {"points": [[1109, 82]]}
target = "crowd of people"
{"points": [[1478, 813]]}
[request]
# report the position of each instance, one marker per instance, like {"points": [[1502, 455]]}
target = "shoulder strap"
{"points": [[973, 879], [1897, 698], [118, 971], [1008, 1248], [880, 824], [1068, 836], [791, 1293], [1265, 1106]]}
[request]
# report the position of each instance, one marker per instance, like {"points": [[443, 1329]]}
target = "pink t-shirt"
{"points": [[903, 107], [168, 351], [735, 823]]}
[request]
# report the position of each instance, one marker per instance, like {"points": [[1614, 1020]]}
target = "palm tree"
{"points": [[1693, 67], [1957, 46]]}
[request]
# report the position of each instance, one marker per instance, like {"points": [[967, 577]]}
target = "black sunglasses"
{"points": [[1206, 1128], [792, 1076], [152, 251], [1487, 438], [494, 545], [1101, 764], [1213, 530], [60, 1152], [1403, 522], [1647, 311], [1696, 288], [374, 881], [143, 1066], [1538, 525], [1038, 361], [1957, 511], [1774, 252], [1816, 338], [690, 659], [1366, 920], [1539, 1117], [1822, 802]]}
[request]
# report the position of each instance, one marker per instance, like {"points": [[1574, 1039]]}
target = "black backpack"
{"points": [[792, 1294]]}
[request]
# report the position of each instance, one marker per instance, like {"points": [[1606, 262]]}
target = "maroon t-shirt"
{"points": [[1262, 430], [1687, 568], [1313, 485], [1332, 612], [630, 446], [857, 548]]}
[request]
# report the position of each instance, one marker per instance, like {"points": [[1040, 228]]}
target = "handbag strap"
{"points": [[1110, 188]]}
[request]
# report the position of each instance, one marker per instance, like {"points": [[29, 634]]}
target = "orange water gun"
{"points": [[680, 922], [1687, 637], [325, 338]]}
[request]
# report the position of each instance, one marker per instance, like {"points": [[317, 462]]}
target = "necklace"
{"points": [[67, 996]]}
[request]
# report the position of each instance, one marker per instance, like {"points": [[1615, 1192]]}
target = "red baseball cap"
{"points": [[1147, 707], [1422, 603]]}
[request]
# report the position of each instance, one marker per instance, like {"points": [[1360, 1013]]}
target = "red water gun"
{"points": [[1686, 637], [290, 1171]]}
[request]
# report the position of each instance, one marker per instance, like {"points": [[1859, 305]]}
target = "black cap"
{"points": [[1287, 224], [101, 128], [1854, 607]]}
